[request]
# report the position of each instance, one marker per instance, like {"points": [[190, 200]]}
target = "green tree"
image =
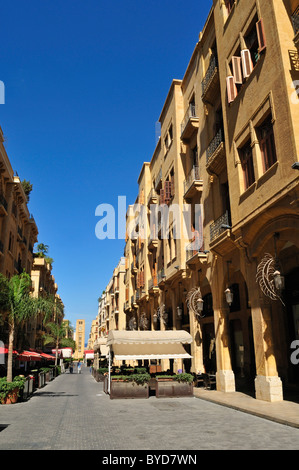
{"points": [[17, 305], [57, 336], [42, 251], [27, 186]]}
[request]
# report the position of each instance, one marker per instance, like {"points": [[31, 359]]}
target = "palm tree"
{"points": [[58, 337], [17, 305]]}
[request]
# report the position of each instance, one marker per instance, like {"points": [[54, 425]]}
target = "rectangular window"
{"points": [[229, 5], [267, 143], [247, 165]]}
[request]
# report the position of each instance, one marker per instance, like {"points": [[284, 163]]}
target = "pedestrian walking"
{"points": [[79, 367], [71, 368]]}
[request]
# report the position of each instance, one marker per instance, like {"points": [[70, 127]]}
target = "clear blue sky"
{"points": [[85, 83]]}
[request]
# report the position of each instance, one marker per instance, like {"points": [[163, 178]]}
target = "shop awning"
{"points": [[100, 346], [123, 352], [104, 350], [138, 345], [149, 337]]}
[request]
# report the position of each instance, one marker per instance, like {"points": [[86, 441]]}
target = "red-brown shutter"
{"points": [[261, 35], [231, 89], [247, 64], [237, 70], [167, 189], [172, 185], [138, 280]]}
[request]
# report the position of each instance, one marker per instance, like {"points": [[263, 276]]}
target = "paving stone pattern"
{"points": [[73, 413]]}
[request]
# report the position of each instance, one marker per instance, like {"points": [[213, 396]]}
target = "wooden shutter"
{"points": [[247, 64], [162, 197], [237, 70], [138, 280], [231, 89], [261, 35], [167, 189], [142, 278], [172, 185]]}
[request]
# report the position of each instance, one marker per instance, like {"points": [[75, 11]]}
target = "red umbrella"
{"points": [[5, 351], [30, 356]]}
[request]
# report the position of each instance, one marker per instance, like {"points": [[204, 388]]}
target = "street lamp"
{"points": [[228, 293]]}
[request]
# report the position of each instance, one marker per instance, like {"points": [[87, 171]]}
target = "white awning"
{"points": [[104, 350], [123, 352], [149, 337]]}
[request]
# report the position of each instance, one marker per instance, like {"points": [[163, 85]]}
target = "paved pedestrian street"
{"points": [[73, 413]]}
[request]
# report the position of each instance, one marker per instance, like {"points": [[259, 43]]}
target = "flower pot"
{"points": [[11, 397]]}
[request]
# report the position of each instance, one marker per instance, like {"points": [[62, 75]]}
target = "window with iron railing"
{"points": [[214, 144], [295, 20], [210, 72], [190, 113], [218, 226]]}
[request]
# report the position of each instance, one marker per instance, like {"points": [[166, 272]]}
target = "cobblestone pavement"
{"points": [[73, 413]]}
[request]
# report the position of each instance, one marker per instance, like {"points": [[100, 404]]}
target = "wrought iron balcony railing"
{"points": [[295, 20], [193, 249], [191, 113], [210, 73], [218, 226], [193, 176], [214, 144], [3, 202], [161, 275]]}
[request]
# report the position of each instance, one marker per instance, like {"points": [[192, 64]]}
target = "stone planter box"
{"points": [[122, 389], [166, 388], [41, 379]]}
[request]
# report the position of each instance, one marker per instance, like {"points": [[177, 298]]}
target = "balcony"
{"points": [[152, 241], [133, 301], [216, 157], [221, 239], [153, 284], [134, 268], [193, 183], [158, 179], [153, 197], [195, 253], [3, 205], [210, 83], [161, 276], [190, 123]]}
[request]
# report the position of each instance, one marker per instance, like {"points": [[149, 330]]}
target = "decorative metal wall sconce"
{"points": [[195, 302], [143, 321], [161, 314], [132, 323], [269, 276]]}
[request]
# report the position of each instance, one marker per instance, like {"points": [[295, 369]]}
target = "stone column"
{"points": [[268, 385], [225, 377]]}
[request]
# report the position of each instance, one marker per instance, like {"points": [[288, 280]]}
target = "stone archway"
{"points": [[279, 238]]}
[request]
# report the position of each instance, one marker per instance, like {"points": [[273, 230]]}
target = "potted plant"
{"points": [[10, 391], [130, 386], [179, 385]]}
